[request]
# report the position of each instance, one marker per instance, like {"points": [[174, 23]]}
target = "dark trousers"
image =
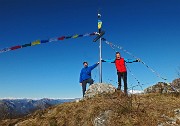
{"points": [[84, 83], [122, 75]]}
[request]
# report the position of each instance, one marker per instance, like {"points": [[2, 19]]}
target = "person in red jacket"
{"points": [[120, 64]]}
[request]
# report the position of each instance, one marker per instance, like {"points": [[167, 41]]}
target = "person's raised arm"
{"points": [[131, 60], [94, 66], [109, 60]]}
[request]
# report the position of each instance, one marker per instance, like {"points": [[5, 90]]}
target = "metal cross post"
{"points": [[100, 61], [99, 37], [100, 49]]}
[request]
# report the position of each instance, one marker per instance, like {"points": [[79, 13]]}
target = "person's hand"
{"points": [[81, 84], [97, 62], [138, 60]]}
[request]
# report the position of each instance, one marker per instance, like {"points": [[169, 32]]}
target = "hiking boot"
{"points": [[119, 88]]}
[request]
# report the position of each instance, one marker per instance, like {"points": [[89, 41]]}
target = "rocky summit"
{"points": [[162, 87], [105, 106], [114, 109], [99, 88]]}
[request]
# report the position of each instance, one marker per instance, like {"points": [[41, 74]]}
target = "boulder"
{"points": [[99, 88]]}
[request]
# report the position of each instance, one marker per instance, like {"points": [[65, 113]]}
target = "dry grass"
{"points": [[135, 110]]}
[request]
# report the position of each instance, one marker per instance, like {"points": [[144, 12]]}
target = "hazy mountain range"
{"points": [[14, 108]]}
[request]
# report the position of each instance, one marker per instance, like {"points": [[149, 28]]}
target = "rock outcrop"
{"points": [[99, 88], [176, 84], [162, 87]]}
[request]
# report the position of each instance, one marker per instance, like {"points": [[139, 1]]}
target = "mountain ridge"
{"points": [[108, 109], [15, 108]]}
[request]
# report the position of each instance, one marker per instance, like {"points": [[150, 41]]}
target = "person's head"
{"points": [[85, 64], [118, 55]]}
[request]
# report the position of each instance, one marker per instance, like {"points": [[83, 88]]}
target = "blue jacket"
{"points": [[86, 73]]}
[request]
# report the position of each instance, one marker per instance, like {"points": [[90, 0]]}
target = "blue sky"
{"points": [[150, 29]]}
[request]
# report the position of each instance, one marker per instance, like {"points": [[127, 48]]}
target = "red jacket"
{"points": [[120, 65]]}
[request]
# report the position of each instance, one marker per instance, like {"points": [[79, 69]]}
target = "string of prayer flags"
{"points": [[37, 42]]}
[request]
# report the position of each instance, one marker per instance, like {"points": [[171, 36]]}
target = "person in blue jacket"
{"points": [[85, 75]]}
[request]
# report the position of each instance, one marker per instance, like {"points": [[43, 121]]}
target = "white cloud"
{"points": [[135, 91]]}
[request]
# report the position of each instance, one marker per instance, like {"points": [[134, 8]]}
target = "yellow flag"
{"points": [[37, 42], [75, 36], [99, 24]]}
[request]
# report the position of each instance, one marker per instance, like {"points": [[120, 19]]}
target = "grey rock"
{"points": [[177, 113], [102, 118], [171, 121], [99, 88]]}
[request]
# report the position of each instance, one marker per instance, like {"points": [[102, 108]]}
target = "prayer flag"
{"points": [[5, 50], [99, 24], [80, 36], [68, 37], [15, 47], [75, 36], [61, 38], [44, 41], [53, 39], [35, 43], [92, 34], [26, 45], [86, 34]]}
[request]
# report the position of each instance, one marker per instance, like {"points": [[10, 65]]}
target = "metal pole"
{"points": [[100, 48], [100, 61], [99, 37]]}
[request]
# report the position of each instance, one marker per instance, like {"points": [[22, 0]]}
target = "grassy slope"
{"points": [[138, 110]]}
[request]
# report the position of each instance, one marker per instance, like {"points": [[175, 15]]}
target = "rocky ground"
{"points": [[115, 109], [104, 106]]}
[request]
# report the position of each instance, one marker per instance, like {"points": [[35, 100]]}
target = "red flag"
{"points": [[15, 47], [61, 38]]}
